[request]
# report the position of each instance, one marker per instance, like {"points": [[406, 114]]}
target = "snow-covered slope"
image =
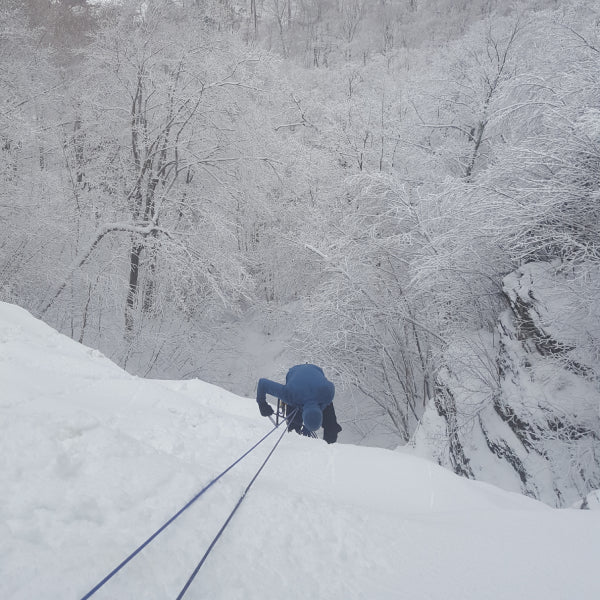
{"points": [[93, 461]]}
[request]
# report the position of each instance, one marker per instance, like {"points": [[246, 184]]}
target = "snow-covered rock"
{"points": [[520, 409], [590, 502]]}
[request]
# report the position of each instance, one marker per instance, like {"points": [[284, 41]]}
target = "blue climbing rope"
{"points": [[224, 526], [177, 514]]}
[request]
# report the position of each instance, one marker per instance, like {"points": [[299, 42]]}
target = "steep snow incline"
{"points": [[92, 461]]}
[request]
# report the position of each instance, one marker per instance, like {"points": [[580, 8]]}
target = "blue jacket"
{"points": [[306, 388], [304, 384]]}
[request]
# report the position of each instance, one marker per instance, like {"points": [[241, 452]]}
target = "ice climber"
{"points": [[308, 390]]}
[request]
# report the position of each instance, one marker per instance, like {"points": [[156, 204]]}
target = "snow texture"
{"points": [[94, 460]]}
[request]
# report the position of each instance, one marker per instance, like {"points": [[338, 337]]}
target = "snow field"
{"points": [[93, 461]]}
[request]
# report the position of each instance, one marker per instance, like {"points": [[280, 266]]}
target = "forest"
{"points": [[194, 185]]}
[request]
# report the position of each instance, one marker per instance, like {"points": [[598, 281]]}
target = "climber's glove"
{"points": [[266, 410]]}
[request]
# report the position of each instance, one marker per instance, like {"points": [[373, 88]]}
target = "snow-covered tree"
{"points": [[165, 143]]}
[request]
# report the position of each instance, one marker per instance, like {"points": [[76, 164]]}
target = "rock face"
{"points": [[520, 408]]}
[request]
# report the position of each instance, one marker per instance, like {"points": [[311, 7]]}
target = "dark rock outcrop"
{"points": [[520, 408]]}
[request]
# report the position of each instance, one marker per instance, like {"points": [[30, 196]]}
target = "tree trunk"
{"points": [[134, 271]]}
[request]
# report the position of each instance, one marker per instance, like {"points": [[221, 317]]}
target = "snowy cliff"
{"points": [[520, 408]]}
